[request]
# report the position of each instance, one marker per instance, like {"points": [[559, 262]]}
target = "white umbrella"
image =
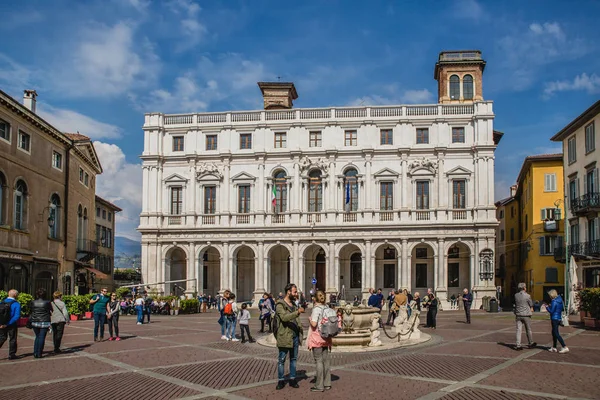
{"points": [[572, 275]]}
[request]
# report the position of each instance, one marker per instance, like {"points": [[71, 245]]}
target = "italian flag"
{"points": [[274, 196]]}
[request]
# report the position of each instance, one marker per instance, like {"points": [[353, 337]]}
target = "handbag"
{"points": [[28, 324], [564, 319]]}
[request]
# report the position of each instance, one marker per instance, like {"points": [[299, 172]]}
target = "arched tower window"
{"points": [[2, 202], [54, 217], [351, 190], [468, 87], [454, 87], [315, 191], [20, 205]]}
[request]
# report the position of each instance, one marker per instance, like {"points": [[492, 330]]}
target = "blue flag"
{"points": [[347, 193]]}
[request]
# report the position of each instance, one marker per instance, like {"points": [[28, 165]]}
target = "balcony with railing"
{"points": [[86, 250], [589, 202], [582, 250], [174, 219], [337, 113]]}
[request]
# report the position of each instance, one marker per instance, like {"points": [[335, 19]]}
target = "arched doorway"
{"points": [[44, 280], [210, 268], [17, 278], [315, 266], [279, 269], [422, 268], [351, 272], [386, 267], [244, 274], [177, 272], [458, 269]]}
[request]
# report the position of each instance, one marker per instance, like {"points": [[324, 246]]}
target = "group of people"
{"points": [[231, 315]]}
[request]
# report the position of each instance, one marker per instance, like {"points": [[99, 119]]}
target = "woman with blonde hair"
{"points": [[555, 310], [320, 347]]}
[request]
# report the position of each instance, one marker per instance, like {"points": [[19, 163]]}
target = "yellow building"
{"points": [[540, 198], [508, 247]]}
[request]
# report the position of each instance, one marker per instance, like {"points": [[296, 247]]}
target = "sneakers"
{"points": [[139, 323], [518, 348], [280, 385], [110, 339], [564, 350], [314, 389], [235, 340], [553, 350], [294, 384], [118, 339], [532, 345], [223, 337]]}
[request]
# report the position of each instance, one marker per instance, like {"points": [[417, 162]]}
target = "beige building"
{"points": [[105, 237], [47, 189]]}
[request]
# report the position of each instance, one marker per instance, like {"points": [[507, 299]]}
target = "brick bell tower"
{"points": [[460, 76]]}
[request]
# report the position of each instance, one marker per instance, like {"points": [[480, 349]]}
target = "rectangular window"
{"points": [[109, 238], [572, 190], [98, 234], [57, 160], [386, 196], [453, 274], [315, 194], [592, 229], [389, 275], [245, 141], [547, 245], [4, 130], [103, 237], [314, 139], [551, 275], [591, 181], [501, 214], [24, 141], [86, 179], [109, 217], [81, 173], [590, 138], [177, 143], [572, 150], [549, 182], [211, 142], [350, 138], [502, 235], [210, 197], [244, 199], [103, 214], [387, 136], [422, 195], [422, 135], [512, 233], [574, 237], [176, 200], [458, 193], [355, 275], [458, 135], [98, 212], [280, 140], [421, 278], [421, 252]]}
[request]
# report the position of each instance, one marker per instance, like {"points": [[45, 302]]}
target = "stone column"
{"points": [[490, 171], [476, 181], [368, 187], [442, 194], [369, 264], [226, 190], [261, 187], [331, 192], [145, 197], [405, 267], [332, 270], [191, 286], [295, 195], [295, 265], [160, 269], [259, 272], [442, 285], [225, 268], [363, 267], [405, 201], [302, 275]]}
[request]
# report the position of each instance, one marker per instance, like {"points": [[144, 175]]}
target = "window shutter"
{"points": [[585, 185], [577, 187], [559, 242], [543, 214], [595, 189], [553, 179], [542, 246]]}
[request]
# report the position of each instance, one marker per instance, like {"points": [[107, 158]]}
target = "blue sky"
{"points": [[99, 65]]}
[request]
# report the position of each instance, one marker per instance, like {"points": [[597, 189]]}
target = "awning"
{"points": [[99, 274]]}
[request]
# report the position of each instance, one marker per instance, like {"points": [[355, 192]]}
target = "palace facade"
{"points": [[341, 198]]}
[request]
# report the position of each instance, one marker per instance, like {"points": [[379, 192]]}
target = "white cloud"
{"points": [[422, 96], [140, 5], [121, 184], [583, 82], [72, 121], [19, 19], [13, 76], [525, 53], [191, 29], [468, 9], [109, 60]]}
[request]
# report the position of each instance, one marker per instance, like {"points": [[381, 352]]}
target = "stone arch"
{"points": [[387, 274], [316, 261], [412, 245], [341, 245], [352, 273], [169, 248], [278, 168], [209, 269], [468, 244], [176, 267], [244, 272], [278, 268], [422, 256], [458, 267], [269, 247], [236, 248]]}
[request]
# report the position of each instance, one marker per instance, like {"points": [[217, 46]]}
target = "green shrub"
{"points": [[189, 306], [77, 305], [3, 295], [24, 300], [589, 301], [122, 292]]}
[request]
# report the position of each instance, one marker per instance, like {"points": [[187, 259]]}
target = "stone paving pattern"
{"points": [[182, 357]]}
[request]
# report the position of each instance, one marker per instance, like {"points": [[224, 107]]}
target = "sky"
{"points": [[99, 65]]}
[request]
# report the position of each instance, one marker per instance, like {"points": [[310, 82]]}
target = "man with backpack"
{"points": [[10, 312], [324, 325], [288, 332]]}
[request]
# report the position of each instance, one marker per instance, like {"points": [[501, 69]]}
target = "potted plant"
{"points": [[589, 303], [24, 300]]}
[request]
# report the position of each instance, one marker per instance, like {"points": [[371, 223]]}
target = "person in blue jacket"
{"points": [[555, 310], [9, 331]]}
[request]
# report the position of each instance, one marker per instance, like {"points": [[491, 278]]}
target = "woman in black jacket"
{"points": [[432, 311], [41, 310]]}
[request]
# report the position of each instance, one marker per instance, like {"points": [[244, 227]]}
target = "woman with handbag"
{"points": [[555, 310], [58, 320], [41, 311], [113, 310]]}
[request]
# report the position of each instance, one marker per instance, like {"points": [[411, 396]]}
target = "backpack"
{"points": [[228, 310], [5, 312], [328, 326], [275, 325]]}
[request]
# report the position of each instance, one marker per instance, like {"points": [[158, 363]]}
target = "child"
{"points": [[230, 314], [244, 318]]}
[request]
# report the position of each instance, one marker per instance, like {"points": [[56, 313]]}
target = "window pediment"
{"points": [[175, 179], [243, 177], [386, 173], [459, 172]]}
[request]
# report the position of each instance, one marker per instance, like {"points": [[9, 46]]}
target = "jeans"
{"points": [[147, 312], [10, 333], [230, 323], [431, 315], [321, 356], [555, 335], [113, 322], [40, 338], [468, 311], [527, 322], [57, 334], [283, 351], [99, 319], [245, 328], [140, 314]]}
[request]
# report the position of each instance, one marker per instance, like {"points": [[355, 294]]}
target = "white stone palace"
{"points": [[396, 196]]}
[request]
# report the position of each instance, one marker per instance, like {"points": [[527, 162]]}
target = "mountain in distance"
{"points": [[127, 252]]}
